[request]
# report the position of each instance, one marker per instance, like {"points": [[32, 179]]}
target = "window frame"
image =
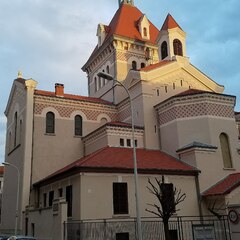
{"points": [[50, 123], [78, 123], [120, 198]]}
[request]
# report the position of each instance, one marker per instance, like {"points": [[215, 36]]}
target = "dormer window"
{"points": [[143, 26], [101, 34], [177, 47]]}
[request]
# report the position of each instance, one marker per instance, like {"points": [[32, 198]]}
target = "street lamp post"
{"points": [[18, 186], [139, 227]]}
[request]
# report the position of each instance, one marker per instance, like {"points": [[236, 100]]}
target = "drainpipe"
{"points": [[199, 197]]}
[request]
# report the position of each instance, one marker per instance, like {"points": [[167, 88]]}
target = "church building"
{"points": [[75, 153]]}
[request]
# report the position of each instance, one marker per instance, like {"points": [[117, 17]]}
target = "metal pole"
{"points": [[139, 226], [18, 186]]}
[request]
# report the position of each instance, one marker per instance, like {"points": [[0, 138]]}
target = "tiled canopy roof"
{"points": [[73, 97], [169, 23], [116, 159], [196, 145], [125, 24], [225, 186]]}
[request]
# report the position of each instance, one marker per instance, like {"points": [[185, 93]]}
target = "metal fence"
{"points": [[181, 228]]}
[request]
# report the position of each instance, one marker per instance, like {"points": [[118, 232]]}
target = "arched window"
{"points": [[95, 84], [142, 65], [50, 122], [227, 161], [15, 129], [78, 125], [20, 131], [145, 32], [177, 47], [164, 50], [10, 141], [107, 70], [134, 65]]}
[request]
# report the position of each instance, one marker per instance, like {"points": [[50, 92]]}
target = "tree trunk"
{"points": [[166, 229]]}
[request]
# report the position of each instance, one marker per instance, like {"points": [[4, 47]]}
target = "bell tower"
{"points": [[171, 40], [130, 2]]}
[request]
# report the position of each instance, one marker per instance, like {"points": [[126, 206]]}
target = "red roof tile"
{"points": [[169, 23], [190, 92], [73, 97], [225, 186], [1, 169], [156, 65], [122, 159], [124, 23]]}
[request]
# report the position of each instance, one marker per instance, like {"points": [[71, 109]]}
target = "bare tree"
{"points": [[216, 209], [168, 198]]}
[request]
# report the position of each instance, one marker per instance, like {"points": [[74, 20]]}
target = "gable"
{"points": [[180, 72]]}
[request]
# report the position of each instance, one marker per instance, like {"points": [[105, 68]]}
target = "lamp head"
{"points": [[105, 76]]}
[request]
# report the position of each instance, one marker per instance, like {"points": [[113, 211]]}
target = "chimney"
{"points": [[59, 89]]}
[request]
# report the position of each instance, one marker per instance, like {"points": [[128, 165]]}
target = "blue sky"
{"points": [[50, 40]]}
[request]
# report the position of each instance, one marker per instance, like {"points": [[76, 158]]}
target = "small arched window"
{"points": [[177, 47], [107, 69], [164, 50], [78, 125], [145, 32], [95, 84], [50, 122], [15, 128], [142, 65], [10, 141], [225, 147], [20, 131], [134, 65]]}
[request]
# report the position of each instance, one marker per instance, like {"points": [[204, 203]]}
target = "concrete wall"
{"points": [[48, 223]]}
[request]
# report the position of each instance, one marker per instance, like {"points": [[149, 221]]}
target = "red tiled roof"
{"points": [[124, 23], [225, 186], [156, 65], [1, 169], [123, 124], [121, 159], [71, 96], [169, 23], [191, 91]]}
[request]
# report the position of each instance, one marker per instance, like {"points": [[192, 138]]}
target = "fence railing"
{"points": [[181, 228]]}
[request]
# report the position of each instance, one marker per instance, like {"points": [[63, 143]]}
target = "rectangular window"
{"points": [[129, 142], [120, 198], [121, 142], [136, 143], [69, 200], [44, 200], [50, 198], [60, 192], [122, 236]]}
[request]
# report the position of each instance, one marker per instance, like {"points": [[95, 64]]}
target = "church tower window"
{"points": [[15, 129], [50, 122], [164, 50], [142, 65], [78, 125], [177, 47], [225, 147], [134, 65]]}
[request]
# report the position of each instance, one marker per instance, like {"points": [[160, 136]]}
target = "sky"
{"points": [[50, 40]]}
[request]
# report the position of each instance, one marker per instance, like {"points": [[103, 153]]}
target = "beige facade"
{"points": [[67, 147]]}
